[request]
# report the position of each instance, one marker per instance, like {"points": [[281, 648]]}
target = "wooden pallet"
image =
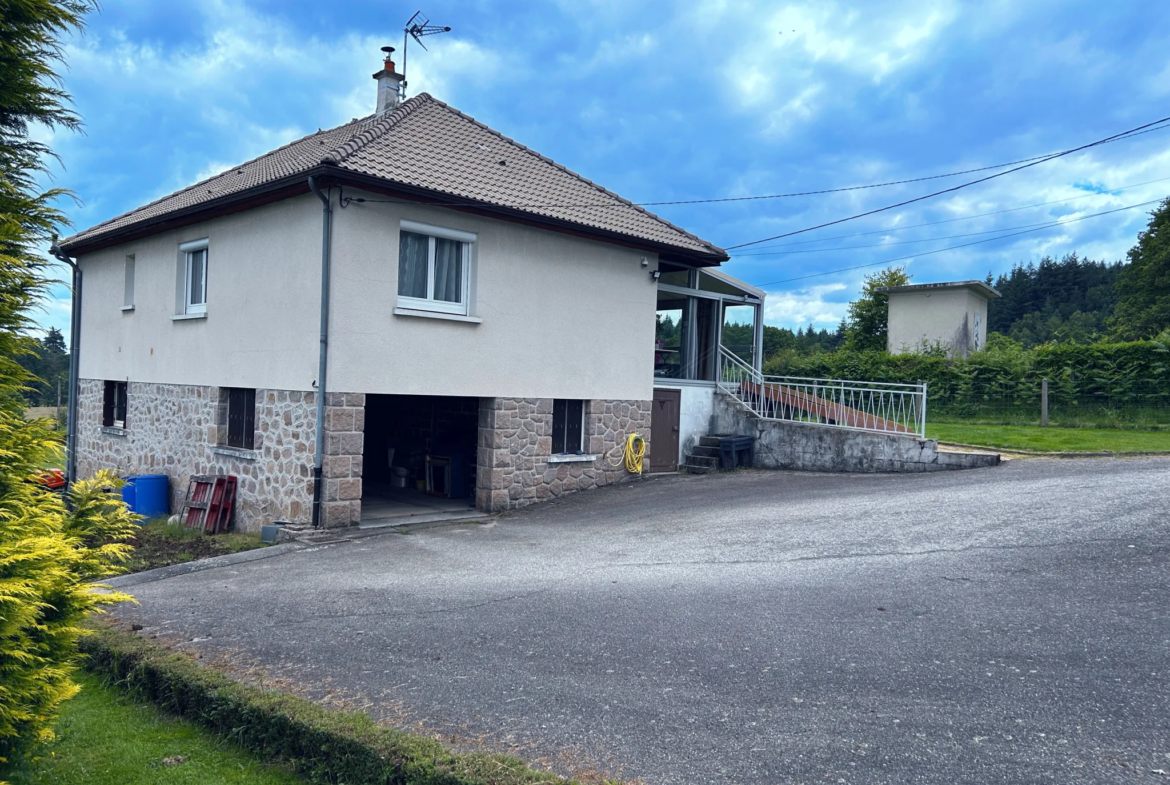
{"points": [[210, 502]]}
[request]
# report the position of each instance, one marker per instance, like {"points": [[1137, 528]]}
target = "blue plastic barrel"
{"points": [[149, 495]]}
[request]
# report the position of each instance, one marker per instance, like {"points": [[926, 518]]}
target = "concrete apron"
{"points": [[807, 447]]}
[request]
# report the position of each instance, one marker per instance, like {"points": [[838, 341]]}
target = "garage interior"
{"points": [[419, 461]]}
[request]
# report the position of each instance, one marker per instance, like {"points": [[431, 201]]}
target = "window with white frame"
{"points": [[128, 284], [194, 277], [434, 268]]}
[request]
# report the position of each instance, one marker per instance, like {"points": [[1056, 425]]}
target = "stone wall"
{"points": [[820, 448], [515, 465], [341, 466], [179, 430]]}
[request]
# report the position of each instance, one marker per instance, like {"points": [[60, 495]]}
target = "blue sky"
{"points": [[677, 101]]}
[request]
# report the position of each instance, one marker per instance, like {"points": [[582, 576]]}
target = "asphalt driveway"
{"points": [[1007, 625]]}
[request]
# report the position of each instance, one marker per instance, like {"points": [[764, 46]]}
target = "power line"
{"points": [[953, 247], [872, 185], [1106, 140], [962, 218], [1040, 225]]}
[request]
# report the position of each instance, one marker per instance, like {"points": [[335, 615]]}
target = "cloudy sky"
{"points": [[681, 101]]}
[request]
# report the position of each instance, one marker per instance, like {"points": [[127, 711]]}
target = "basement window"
{"points": [[434, 268], [114, 405], [241, 418], [568, 427]]}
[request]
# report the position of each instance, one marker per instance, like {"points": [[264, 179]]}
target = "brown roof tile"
{"points": [[426, 144]]}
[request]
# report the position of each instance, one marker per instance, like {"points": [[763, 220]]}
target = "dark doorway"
{"points": [[419, 457], [664, 422]]}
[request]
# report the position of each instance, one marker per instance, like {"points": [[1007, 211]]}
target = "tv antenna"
{"points": [[417, 27]]}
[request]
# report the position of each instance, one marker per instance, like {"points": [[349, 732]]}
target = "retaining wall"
{"points": [[820, 448]]}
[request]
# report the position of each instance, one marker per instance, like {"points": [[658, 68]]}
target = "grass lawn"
{"points": [[1029, 438], [159, 544], [106, 739]]}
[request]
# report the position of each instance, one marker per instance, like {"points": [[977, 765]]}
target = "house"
{"points": [[948, 315], [406, 311]]}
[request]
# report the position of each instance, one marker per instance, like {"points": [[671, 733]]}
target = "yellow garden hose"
{"points": [[632, 454]]}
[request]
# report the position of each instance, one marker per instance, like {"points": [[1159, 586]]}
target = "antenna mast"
{"points": [[417, 27]]}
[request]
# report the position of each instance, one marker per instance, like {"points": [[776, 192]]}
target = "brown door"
{"points": [[664, 430]]}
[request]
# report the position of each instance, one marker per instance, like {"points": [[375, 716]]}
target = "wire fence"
{"points": [[1125, 403]]}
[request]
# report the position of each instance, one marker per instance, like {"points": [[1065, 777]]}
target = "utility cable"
{"points": [[1040, 225], [1107, 191], [1054, 156], [953, 247]]}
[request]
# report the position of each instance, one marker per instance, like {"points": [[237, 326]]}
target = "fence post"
{"points": [[922, 427], [1043, 403]]}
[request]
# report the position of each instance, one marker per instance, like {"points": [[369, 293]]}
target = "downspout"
{"points": [[319, 441], [74, 382]]}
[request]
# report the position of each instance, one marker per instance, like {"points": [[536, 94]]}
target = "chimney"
{"points": [[388, 83]]}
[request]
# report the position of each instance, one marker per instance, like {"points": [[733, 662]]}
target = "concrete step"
{"points": [[706, 452], [709, 441], [698, 469], [702, 461], [966, 459]]}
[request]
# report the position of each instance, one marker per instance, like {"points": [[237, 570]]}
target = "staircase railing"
{"points": [[881, 407]]}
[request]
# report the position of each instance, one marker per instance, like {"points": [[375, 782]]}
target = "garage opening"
{"points": [[419, 459]]}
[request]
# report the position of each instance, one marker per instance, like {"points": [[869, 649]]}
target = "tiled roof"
{"points": [[426, 144]]}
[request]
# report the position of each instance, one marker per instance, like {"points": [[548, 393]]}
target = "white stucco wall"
{"points": [[696, 405], [563, 317], [944, 317], [263, 287]]}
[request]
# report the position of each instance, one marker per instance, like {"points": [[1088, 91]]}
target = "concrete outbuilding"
{"points": [[948, 315]]}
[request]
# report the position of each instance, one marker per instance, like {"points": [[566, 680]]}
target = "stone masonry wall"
{"points": [[178, 430], [515, 465], [341, 467]]}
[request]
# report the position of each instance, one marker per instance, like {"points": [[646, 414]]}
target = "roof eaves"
{"points": [[87, 241], [981, 286], [504, 212], [95, 230]]}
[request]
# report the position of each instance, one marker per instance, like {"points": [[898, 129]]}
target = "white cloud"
{"points": [[798, 307], [788, 58]]}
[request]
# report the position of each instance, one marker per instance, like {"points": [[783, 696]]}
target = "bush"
{"points": [[48, 558], [325, 746], [1101, 377]]}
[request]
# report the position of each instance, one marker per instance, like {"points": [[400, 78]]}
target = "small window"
{"points": [[568, 427], [192, 293], [241, 418], [434, 268], [197, 281], [114, 405], [128, 292]]}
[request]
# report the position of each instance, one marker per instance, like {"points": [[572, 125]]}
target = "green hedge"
{"points": [[1117, 375], [325, 746]]}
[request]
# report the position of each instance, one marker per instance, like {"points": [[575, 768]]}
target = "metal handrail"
{"points": [[880, 407]]}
